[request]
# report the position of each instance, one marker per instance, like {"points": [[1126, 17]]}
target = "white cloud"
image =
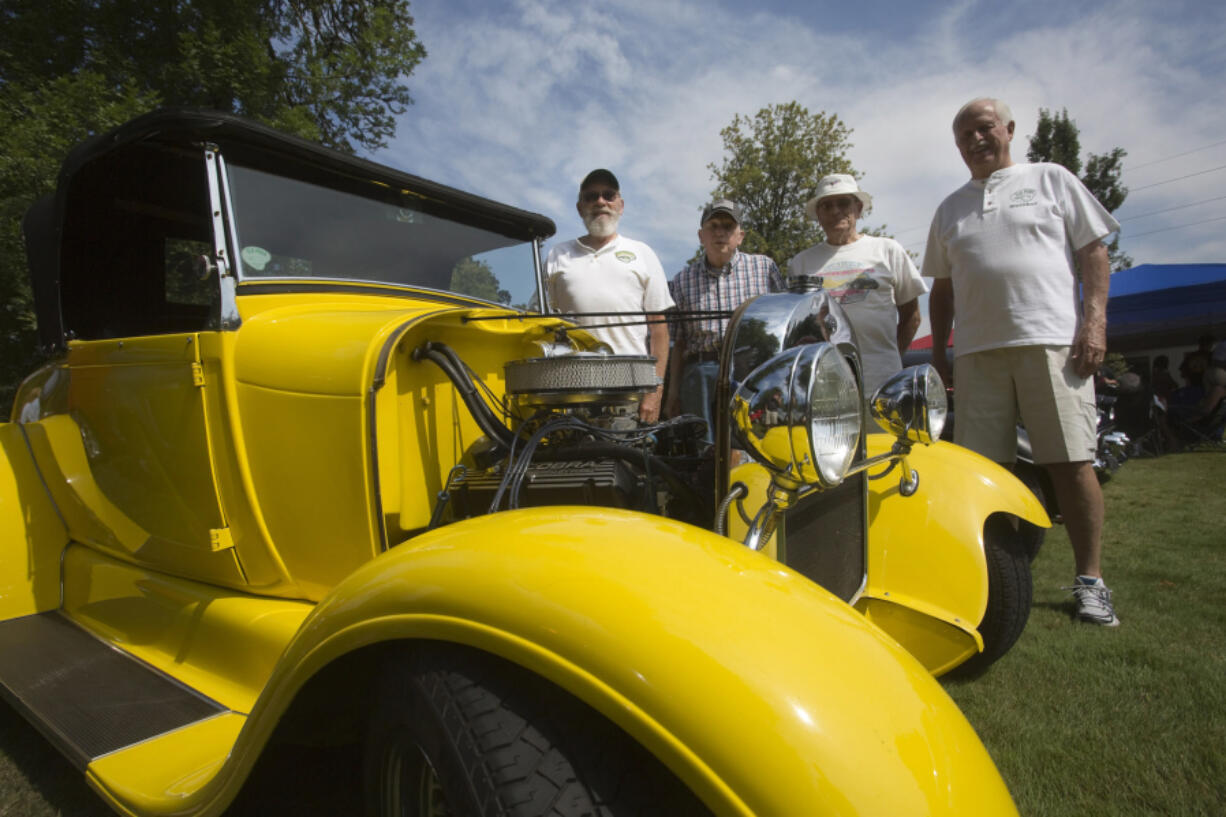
{"points": [[519, 102]]}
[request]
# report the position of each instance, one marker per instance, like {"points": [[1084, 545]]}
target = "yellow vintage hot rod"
{"points": [[313, 450]]}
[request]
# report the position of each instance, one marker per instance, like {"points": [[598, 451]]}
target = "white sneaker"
{"points": [[1094, 601]]}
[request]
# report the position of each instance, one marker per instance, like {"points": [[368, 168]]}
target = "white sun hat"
{"points": [[838, 184]]}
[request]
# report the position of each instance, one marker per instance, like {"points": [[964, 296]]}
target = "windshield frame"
{"points": [[407, 239]]}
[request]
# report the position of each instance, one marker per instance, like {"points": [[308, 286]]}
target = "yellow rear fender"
{"points": [[758, 689], [32, 534], [927, 573]]}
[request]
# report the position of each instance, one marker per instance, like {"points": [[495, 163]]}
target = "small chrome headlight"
{"points": [[912, 405], [799, 414]]}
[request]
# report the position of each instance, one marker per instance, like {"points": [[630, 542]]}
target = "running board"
{"points": [[86, 696]]}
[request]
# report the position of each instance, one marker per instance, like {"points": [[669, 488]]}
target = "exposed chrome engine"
{"points": [[567, 433]]}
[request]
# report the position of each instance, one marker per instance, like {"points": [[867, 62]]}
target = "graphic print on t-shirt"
{"points": [[849, 285]]}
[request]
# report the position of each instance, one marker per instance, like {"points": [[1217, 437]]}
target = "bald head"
{"points": [[983, 131], [1003, 112]]}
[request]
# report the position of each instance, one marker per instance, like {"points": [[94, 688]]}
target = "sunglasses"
{"points": [[836, 203], [590, 196]]}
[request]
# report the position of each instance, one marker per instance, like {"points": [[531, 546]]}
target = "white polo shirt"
{"points": [[1007, 243], [622, 276]]}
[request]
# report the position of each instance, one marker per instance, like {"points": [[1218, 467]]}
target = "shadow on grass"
{"points": [[37, 779]]}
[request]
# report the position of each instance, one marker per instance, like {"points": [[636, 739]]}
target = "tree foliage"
{"points": [[1058, 139], [328, 70], [476, 278], [771, 167]]}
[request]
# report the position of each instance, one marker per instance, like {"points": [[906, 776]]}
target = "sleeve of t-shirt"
{"points": [[655, 297], [551, 267], [936, 260], [1085, 219], [796, 267], [908, 285]]}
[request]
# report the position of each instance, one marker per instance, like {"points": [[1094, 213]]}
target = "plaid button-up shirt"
{"points": [[700, 287]]}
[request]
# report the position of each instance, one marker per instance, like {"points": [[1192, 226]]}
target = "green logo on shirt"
{"points": [[1024, 197], [625, 256]]}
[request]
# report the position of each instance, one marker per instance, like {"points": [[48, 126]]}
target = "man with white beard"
{"points": [[616, 280]]}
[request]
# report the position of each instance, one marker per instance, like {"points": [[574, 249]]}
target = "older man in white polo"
{"points": [[1018, 249]]}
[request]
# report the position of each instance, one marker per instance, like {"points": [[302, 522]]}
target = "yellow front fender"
{"points": [[927, 574], [760, 690]]}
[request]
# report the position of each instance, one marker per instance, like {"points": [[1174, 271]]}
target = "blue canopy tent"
{"points": [[1158, 305]]}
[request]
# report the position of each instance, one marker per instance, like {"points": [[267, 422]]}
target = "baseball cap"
{"points": [[727, 207], [600, 176]]}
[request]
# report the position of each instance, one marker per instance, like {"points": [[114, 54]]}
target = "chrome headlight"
{"points": [[799, 414], [912, 404]]}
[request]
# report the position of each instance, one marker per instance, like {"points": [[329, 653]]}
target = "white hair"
{"points": [[1003, 113]]}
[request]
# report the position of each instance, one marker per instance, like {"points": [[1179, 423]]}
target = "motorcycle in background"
{"points": [[1113, 443]]}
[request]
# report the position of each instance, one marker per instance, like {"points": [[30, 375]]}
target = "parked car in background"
{"points": [[305, 463]]}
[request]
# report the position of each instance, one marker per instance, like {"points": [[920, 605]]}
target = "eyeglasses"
{"points": [[590, 196]]}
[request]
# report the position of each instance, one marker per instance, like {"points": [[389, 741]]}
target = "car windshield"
{"points": [[288, 228]]}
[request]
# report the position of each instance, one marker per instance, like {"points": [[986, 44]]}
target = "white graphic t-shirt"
{"points": [[869, 277]]}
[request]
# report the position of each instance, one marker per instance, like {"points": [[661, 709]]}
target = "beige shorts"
{"points": [[995, 389]]}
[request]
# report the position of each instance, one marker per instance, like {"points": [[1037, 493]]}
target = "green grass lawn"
{"points": [[1132, 721], [1081, 720]]}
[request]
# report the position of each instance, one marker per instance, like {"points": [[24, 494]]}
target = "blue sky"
{"points": [[518, 100]]}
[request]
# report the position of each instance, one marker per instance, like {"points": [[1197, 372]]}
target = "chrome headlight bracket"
{"points": [[759, 330]]}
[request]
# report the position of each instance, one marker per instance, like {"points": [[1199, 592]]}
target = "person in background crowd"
{"points": [[1002, 248], [1197, 360], [604, 272], [720, 281], [872, 277], [1192, 371], [1212, 389], [1160, 380]]}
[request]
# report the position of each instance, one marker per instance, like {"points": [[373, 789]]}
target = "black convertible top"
{"points": [[189, 128]]}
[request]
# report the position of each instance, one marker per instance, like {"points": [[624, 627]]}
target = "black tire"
{"points": [[1030, 537], [1010, 593], [458, 732]]}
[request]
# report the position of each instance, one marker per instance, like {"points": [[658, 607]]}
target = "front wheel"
{"points": [[1010, 592], [458, 732], [1031, 536]]}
